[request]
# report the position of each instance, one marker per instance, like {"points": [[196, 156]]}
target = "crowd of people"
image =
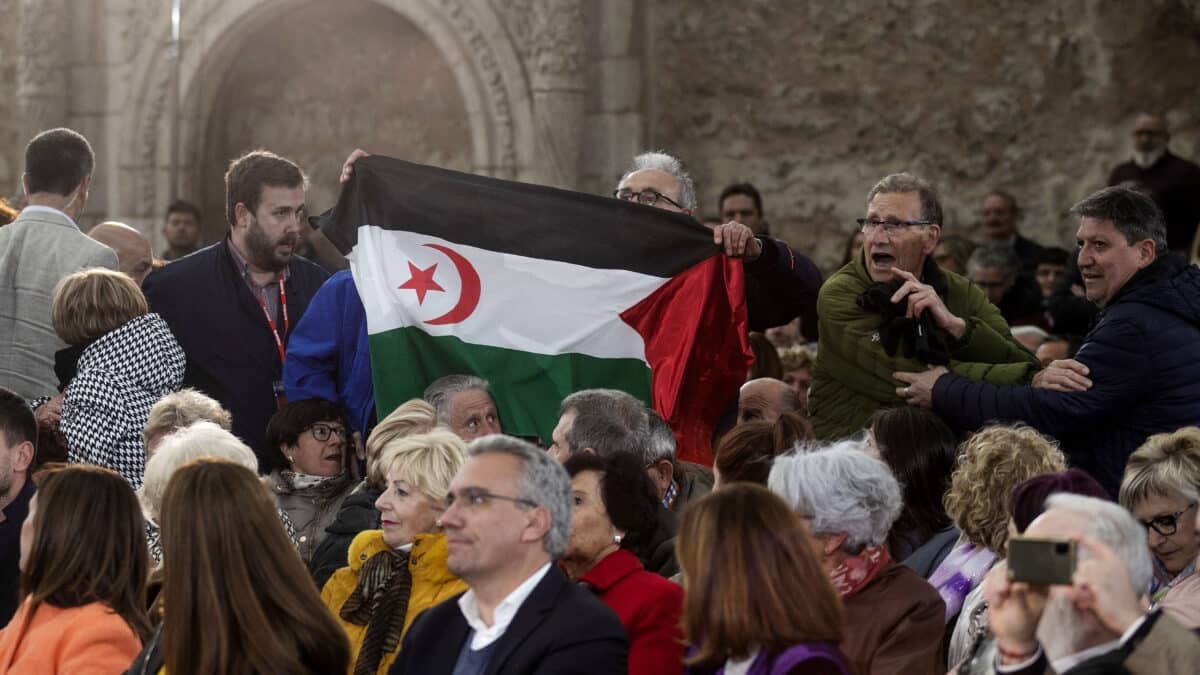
{"points": [[195, 477]]}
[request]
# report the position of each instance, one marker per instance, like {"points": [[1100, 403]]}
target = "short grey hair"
{"points": [[661, 161], [1115, 527], [441, 390], [621, 407], [899, 183], [995, 255], [604, 435], [1131, 211], [543, 481], [661, 444], [843, 490], [200, 440]]}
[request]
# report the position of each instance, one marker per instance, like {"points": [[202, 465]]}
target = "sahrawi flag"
{"points": [[542, 292]]}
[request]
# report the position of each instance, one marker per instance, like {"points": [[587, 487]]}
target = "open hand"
{"points": [[348, 167], [1063, 375]]}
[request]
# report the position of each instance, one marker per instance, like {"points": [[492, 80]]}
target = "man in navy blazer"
{"points": [[232, 305], [507, 520], [1138, 370]]}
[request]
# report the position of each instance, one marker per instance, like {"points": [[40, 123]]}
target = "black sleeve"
{"points": [[786, 286]]}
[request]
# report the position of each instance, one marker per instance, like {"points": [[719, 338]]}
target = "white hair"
{"points": [[843, 490], [202, 439], [661, 161], [1115, 527]]}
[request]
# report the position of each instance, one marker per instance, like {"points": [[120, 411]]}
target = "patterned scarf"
{"points": [[857, 571], [380, 602], [1163, 581], [959, 574]]}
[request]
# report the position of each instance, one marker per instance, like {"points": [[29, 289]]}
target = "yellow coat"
{"points": [[431, 584]]}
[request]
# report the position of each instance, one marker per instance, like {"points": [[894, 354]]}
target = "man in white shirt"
{"points": [[39, 248], [507, 520]]}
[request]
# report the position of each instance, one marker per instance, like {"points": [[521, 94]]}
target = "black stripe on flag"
{"points": [[535, 221]]}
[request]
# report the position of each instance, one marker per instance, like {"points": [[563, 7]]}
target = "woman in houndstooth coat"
{"points": [[129, 360]]}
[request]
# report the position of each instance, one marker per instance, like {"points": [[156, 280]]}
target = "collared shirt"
{"points": [[669, 498], [484, 634], [33, 208], [268, 292]]}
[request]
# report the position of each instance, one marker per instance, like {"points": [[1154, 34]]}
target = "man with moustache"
{"points": [[893, 305], [233, 304]]}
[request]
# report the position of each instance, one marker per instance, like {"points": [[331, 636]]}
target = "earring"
{"points": [[617, 538], [292, 459]]}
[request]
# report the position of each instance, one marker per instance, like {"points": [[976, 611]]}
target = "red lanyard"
{"points": [[271, 321]]}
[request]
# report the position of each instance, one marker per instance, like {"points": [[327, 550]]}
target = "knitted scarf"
{"points": [[380, 602], [857, 571]]}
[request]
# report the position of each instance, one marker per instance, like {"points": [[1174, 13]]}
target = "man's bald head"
{"points": [[133, 249], [765, 399]]}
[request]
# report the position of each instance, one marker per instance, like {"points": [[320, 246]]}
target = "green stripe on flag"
{"points": [[406, 360]]}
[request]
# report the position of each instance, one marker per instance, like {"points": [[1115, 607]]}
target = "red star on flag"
{"points": [[421, 281]]}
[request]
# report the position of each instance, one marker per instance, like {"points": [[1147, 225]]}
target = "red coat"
{"points": [[649, 608]]}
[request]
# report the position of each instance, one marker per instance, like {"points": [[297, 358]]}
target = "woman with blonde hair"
{"points": [[178, 410], [122, 358], [83, 577], [236, 595], [990, 464], [746, 559], [1161, 488], [358, 512], [397, 572]]}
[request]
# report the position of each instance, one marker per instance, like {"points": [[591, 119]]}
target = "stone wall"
{"points": [[815, 101], [10, 163]]}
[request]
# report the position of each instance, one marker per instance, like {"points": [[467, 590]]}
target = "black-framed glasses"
{"points": [[479, 498], [1166, 524], [891, 225], [646, 197], [321, 431]]}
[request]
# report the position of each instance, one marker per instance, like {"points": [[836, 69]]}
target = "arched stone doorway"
{"points": [[485, 111], [297, 88]]}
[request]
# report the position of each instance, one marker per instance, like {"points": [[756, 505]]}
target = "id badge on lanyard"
{"points": [[277, 386]]}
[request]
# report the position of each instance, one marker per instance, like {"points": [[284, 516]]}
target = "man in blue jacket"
{"points": [[233, 305], [1138, 370]]}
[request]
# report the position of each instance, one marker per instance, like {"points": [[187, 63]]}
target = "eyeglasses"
{"points": [[321, 431], [1167, 524], [473, 498], [890, 226], [646, 197]]}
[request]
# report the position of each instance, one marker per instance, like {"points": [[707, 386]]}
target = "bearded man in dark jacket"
{"points": [[1138, 370]]}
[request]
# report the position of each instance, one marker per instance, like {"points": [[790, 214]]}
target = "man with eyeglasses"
{"points": [[1137, 372], [1172, 181], [893, 308], [507, 520], [780, 283]]}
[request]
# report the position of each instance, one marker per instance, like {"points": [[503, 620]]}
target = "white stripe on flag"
{"points": [[527, 304]]}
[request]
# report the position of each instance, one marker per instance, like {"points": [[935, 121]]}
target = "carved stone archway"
{"points": [[508, 137]]}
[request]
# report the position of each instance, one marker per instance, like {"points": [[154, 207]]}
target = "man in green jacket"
{"points": [[893, 309]]}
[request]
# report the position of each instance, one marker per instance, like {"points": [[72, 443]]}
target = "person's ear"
{"points": [[589, 451], [82, 190], [23, 456], [666, 468], [537, 526], [832, 543], [1146, 252], [932, 237], [241, 215]]}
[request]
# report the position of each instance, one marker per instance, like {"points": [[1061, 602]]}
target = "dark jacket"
{"points": [[658, 556], [10, 550], [1144, 357], [1027, 252], [780, 286], [231, 354], [560, 629], [357, 514], [1174, 183]]}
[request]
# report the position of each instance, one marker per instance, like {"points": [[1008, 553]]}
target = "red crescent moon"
{"points": [[468, 299]]}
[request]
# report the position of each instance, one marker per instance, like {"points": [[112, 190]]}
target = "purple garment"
{"points": [[786, 660], [959, 574]]}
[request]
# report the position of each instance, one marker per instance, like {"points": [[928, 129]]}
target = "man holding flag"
{"points": [[468, 274]]}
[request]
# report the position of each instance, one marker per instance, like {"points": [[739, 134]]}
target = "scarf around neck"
{"points": [[379, 601], [912, 338], [959, 574], [857, 571]]}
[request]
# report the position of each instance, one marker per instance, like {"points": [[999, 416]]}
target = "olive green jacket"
{"points": [[853, 374]]}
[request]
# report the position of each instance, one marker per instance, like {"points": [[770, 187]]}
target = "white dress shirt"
{"points": [[504, 613]]}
